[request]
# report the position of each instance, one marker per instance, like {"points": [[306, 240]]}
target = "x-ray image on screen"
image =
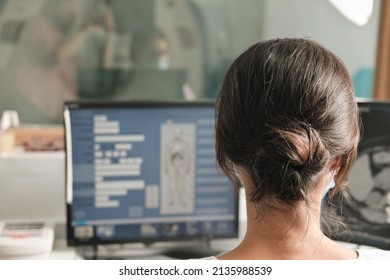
{"points": [[177, 169], [366, 202], [370, 182]]}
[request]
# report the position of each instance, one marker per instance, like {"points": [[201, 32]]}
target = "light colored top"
{"points": [[373, 254], [363, 254]]}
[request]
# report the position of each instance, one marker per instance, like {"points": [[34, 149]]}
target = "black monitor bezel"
{"points": [[71, 240]]}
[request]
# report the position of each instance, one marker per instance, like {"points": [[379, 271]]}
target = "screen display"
{"points": [[144, 172], [366, 209]]}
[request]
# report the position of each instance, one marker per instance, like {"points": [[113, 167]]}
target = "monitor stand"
{"points": [[194, 253]]}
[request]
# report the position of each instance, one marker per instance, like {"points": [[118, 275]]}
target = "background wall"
{"points": [[319, 20]]}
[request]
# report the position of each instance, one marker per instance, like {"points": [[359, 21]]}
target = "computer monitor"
{"points": [[366, 203], [145, 172]]}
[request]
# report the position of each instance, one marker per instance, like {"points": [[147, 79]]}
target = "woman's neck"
{"points": [[287, 235]]}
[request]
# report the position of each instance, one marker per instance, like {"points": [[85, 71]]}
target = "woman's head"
{"points": [[150, 48], [286, 114]]}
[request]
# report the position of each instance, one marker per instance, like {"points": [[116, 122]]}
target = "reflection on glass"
{"points": [[357, 11], [57, 50]]}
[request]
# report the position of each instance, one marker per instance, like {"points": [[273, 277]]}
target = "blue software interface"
{"points": [[138, 173]]}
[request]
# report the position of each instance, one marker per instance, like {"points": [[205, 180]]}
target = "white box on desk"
{"points": [[32, 186]]}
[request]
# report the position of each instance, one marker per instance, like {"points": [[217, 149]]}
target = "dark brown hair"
{"points": [[285, 111]]}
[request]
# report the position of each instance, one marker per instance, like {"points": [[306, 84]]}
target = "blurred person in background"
{"points": [[42, 72]]}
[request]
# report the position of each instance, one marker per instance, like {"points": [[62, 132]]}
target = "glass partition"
{"points": [[52, 51]]}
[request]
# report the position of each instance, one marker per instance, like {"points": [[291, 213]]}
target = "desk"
{"points": [[161, 250], [62, 252], [136, 251]]}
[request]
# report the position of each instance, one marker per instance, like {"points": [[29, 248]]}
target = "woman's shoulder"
{"points": [[373, 254], [363, 254]]}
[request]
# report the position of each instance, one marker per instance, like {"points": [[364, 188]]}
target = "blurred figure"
{"points": [[95, 44], [152, 76], [37, 79], [150, 49], [42, 72]]}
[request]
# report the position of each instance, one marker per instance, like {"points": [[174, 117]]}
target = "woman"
{"points": [[287, 127]]}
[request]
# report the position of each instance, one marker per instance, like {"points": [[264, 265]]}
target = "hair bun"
{"points": [[288, 162]]}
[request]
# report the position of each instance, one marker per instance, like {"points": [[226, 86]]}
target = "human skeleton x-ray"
{"points": [[177, 168]]}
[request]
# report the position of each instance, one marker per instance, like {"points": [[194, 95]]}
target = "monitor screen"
{"points": [[366, 203], [144, 172]]}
